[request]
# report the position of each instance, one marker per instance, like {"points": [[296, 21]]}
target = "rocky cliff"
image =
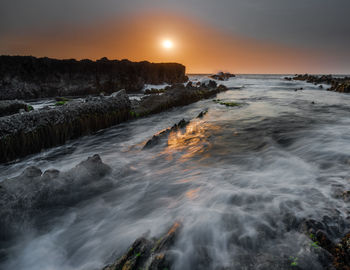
{"points": [[26, 77]]}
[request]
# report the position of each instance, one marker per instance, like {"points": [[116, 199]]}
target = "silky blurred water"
{"points": [[241, 180]]}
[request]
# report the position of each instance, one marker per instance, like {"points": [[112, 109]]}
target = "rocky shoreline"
{"points": [[30, 132], [26, 77], [341, 85], [34, 194], [26, 133]]}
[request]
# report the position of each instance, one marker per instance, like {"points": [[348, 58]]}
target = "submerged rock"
{"points": [[154, 254], [27, 133], [157, 138], [32, 193], [26, 77]]}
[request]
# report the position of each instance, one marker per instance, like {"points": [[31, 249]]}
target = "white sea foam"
{"points": [[241, 180]]}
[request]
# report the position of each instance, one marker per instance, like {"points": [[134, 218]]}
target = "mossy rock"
{"points": [[60, 103], [29, 108], [62, 99]]}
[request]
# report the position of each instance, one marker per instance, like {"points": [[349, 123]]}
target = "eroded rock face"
{"points": [[154, 254], [25, 77], [34, 192], [27, 133]]}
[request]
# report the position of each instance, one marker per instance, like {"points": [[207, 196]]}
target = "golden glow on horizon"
{"points": [[201, 48], [167, 44]]}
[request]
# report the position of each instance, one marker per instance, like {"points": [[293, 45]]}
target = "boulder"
{"points": [[153, 254], [32, 193]]}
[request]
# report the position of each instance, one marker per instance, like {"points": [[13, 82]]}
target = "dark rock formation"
{"points": [[321, 237], [8, 107], [201, 114], [25, 77], [33, 193], [176, 95], [157, 138], [337, 84], [154, 254], [222, 76], [341, 254], [27, 133]]}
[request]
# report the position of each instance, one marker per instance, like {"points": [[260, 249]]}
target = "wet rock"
{"points": [[156, 139], [227, 103], [154, 91], [32, 171], [151, 254], [26, 196], [211, 84], [25, 77], [288, 78], [201, 114], [8, 107], [319, 236], [222, 76], [346, 195], [51, 174], [189, 85], [23, 134], [174, 96], [341, 254]]}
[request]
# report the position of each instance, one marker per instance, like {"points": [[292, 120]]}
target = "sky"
{"points": [[240, 36]]}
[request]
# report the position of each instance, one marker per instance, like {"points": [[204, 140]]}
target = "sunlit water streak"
{"points": [[240, 179]]}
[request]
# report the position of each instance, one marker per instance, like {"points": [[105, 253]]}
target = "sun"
{"points": [[167, 44]]}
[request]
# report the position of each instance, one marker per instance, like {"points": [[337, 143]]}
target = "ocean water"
{"points": [[241, 180]]}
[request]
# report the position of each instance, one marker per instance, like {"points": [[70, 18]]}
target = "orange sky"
{"points": [[200, 48]]}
